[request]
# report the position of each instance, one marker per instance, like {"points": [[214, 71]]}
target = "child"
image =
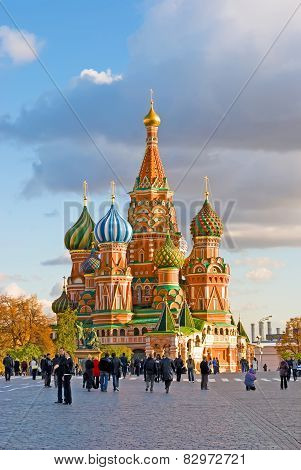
{"points": [[250, 379]]}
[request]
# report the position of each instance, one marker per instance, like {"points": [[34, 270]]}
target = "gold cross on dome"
{"points": [[113, 191], [85, 186], [151, 95], [206, 193]]}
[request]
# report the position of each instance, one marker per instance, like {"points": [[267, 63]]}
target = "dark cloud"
{"points": [[197, 70], [60, 260]]}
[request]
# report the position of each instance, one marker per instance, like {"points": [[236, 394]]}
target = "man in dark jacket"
{"points": [[48, 370], [105, 369], [115, 371], [67, 379], [60, 370], [167, 368], [8, 366], [204, 368], [89, 365], [150, 372], [179, 366], [124, 364]]}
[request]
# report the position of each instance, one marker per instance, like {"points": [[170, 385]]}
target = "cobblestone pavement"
{"points": [[224, 417]]}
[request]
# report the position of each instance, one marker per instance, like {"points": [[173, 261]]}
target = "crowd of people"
{"points": [[97, 373]]}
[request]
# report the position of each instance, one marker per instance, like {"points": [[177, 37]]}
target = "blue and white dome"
{"points": [[113, 228]]}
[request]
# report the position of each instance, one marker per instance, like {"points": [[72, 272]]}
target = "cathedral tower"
{"points": [[207, 274], [78, 240], [151, 214], [113, 302]]}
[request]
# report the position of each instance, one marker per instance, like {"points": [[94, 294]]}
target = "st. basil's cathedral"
{"points": [[132, 284]]}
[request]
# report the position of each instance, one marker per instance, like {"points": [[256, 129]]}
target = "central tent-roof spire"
{"points": [[152, 174]]}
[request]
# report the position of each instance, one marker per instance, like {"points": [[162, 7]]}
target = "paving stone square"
{"points": [[224, 417]]}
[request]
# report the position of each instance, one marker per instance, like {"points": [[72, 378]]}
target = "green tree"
{"points": [[26, 353], [66, 330]]}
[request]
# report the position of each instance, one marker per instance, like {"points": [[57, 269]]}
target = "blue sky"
{"points": [[104, 57]]}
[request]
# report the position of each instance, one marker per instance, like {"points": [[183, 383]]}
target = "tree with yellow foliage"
{"points": [[290, 342], [23, 323]]}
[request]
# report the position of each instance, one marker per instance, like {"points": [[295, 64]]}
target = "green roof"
{"points": [[166, 322], [185, 318], [241, 331], [199, 324], [142, 321], [222, 324]]}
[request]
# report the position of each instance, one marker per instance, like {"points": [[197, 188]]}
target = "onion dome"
{"points": [[206, 223], [80, 235], [168, 255], [92, 263], [152, 118], [61, 304], [113, 227]]}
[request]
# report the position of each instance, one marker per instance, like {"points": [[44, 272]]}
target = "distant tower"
{"points": [[78, 240], [151, 214], [207, 274], [261, 330], [113, 277], [253, 332]]}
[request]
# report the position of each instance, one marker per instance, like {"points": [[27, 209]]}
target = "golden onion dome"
{"points": [[152, 118], [168, 255]]}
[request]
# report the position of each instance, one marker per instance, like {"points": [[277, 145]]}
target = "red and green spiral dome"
{"points": [[206, 223]]}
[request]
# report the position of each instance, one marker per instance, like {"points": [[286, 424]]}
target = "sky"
{"points": [[74, 89]]}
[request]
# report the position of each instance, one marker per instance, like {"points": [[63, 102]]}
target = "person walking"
{"points": [[104, 367], [89, 371], [283, 372], [167, 368], [68, 372], [215, 365], [8, 366], [124, 365], [137, 366], [150, 371], [205, 370], [17, 367], [295, 369], [115, 371], [255, 364], [48, 370], [179, 367], [250, 379], [290, 368], [96, 373], [24, 367], [158, 368], [265, 367], [34, 368], [60, 368], [190, 368]]}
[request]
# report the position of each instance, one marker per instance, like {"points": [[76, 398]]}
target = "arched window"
{"points": [[141, 256], [215, 331], [227, 331], [114, 332], [122, 332], [103, 332], [139, 294], [144, 330], [147, 290], [136, 332], [197, 342], [221, 331]]}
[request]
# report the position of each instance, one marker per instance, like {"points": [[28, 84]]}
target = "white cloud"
{"points": [[19, 46], [260, 262], [99, 78], [56, 290], [13, 290], [260, 274]]}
